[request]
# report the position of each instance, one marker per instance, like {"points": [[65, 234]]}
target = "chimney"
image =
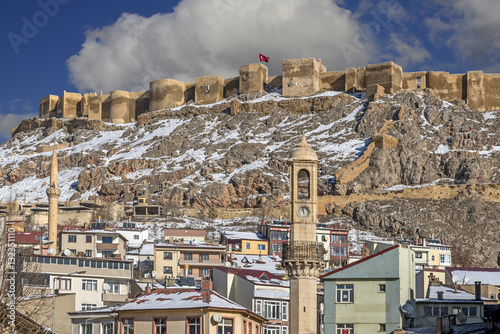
{"points": [[147, 291], [416, 240], [424, 242], [478, 290], [365, 251], [440, 295], [206, 284], [169, 281]]}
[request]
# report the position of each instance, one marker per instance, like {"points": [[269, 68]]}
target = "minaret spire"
{"points": [[53, 193]]}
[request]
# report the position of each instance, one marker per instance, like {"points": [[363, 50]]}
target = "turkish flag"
{"points": [[263, 58], [345, 331]]}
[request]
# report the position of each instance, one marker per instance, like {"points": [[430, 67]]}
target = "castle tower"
{"points": [[303, 256], [53, 193]]}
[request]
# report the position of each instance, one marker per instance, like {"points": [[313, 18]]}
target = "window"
{"points": [[128, 326], [188, 256], [107, 328], [418, 255], [271, 309], [339, 239], [419, 82], [258, 307], [284, 311], [381, 328], [248, 245], [444, 259], [276, 248], [345, 328], [160, 326], [261, 247], [114, 287], [167, 270], [88, 238], [204, 271], [89, 284], [88, 253], [136, 236], [271, 329], [345, 293], [433, 259], [71, 238], [62, 283], [338, 251], [107, 253], [381, 288], [85, 328], [107, 240], [194, 326], [204, 257], [284, 330], [88, 306], [303, 184], [225, 327], [167, 255], [435, 311]]}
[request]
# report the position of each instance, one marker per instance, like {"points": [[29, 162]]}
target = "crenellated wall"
{"points": [[301, 77]]}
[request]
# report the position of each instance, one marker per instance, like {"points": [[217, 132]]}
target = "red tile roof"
{"points": [[31, 238]]}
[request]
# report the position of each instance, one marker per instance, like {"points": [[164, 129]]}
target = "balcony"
{"points": [[114, 298], [303, 251], [199, 262]]}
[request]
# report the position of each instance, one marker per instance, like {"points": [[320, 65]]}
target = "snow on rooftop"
{"points": [[272, 294], [448, 294], [486, 276], [176, 299], [267, 264], [243, 235]]}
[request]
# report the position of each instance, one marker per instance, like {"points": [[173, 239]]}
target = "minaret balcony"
{"points": [[303, 251]]}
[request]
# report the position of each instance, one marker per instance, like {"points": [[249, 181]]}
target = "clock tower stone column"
{"points": [[303, 256]]}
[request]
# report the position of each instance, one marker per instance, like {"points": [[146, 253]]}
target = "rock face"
{"points": [[233, 154]]}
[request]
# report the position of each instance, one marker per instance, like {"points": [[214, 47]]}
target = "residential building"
{"points": [[439, 254], [245, 242], [187, 259], [174, 234], [92, 243], [423, 278], [173, 310], [78, 284], [334, 240], [365, 296], [443, 301], [266, 294], [134, 236], [269, 263], [466, 278]]}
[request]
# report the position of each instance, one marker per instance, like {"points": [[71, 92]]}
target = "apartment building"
{"points": [[249, 243], [92, 243]]}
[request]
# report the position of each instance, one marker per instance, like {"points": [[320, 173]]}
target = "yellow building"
{"points": [[439, 254], [248, 243], [187, 259]]}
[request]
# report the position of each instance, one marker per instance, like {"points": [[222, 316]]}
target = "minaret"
{"points": [[303, 256], [53, 192]]}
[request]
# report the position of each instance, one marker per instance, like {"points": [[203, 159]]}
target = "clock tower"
{"points": [[303, 257]]}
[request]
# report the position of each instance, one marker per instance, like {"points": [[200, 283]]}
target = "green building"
{"points": [[373, 295]]}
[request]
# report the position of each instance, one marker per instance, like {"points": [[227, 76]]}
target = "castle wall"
{"points": [[231, 86], [189, 94], [447, 86], [165, 94], [92, 105], [68, 105], [139, 104], [252, 78], [332, 81], [387, 75], [276, 81], [475, 90], [491, 84], [414, 80], [120, 106], [106, 107], [301, 77], [48, 106], [208, 89]]}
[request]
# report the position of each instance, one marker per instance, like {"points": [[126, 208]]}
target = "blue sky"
{"points": [[79, 46]]}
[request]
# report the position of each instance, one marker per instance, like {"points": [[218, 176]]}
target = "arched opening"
{"points": [[303, 184]]}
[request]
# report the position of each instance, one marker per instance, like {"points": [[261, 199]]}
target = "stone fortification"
{"points": [[301, 77]]}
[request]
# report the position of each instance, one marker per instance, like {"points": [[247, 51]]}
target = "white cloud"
{"points": [[9, 121], [409, 50], [215, 38], [469, 27]]}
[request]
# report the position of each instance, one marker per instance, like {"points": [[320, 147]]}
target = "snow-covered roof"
{"points": [[272, 294], [180, 298], [267, 263], [449, 295], [147, 249], [243, 235], [484, 275], [189, 244]]}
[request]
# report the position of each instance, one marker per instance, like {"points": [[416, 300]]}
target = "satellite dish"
{"points": [[51, 251], [455, 279], [154, 274], [462, 318], [227, 264], [466, 280], [67, 252], [106, 287], [217, 317], [407, 308]]}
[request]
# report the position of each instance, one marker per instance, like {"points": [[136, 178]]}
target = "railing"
{"points": [[303, 250]]}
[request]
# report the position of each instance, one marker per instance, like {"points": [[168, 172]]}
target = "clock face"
{"points": [[303, 212]]}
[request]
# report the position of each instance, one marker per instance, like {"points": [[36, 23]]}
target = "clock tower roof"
{"points": [[304, 151]]}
